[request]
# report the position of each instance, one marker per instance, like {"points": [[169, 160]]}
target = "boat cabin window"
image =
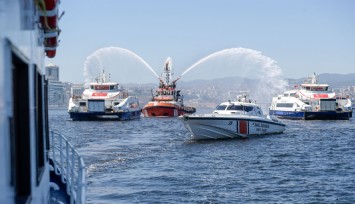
{"points": [[285, 94], [240, 108], [113, 87], [292, 94], [20, 129], [318, 88], [221, 107], [101, 87], [248, 108], [284, 105], [235, 107]]}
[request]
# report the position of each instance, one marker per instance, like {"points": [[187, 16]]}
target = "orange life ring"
{"points": [[49, 19]]}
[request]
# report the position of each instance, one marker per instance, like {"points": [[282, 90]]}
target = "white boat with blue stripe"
{"points": [[237, 119], [311, 101], [104, 100]]}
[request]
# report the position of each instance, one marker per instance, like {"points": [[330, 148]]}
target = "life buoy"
{"points": [[49, 21], [51, 46]]}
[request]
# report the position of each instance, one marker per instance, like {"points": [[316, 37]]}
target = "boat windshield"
{"points": [[103, 87], [316, 88], [221, 107], [240, 108]]}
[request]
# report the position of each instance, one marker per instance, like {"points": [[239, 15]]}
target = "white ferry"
{"points": [[33, 169], [104, 100], [241, 118], [311, 101]]}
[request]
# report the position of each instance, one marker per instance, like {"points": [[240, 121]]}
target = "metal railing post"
{"points": [[72, 167]]}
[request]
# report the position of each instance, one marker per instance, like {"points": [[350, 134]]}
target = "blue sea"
{"points": [[154, 160]]}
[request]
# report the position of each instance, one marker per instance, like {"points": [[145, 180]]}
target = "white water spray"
{"points": [[246, 63], [96, 62]]}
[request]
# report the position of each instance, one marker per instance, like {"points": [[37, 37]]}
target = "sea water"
{"points": [[154, 160]]}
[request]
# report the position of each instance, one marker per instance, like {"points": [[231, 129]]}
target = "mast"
{"points": [[168, 72], [314, 79]]}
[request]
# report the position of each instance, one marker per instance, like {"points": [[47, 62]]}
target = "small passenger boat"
{"points": [[232, 119], [104, 100]]}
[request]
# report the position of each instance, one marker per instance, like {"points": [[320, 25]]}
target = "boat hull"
{"points": [[161, 111], [86, 116], [311, 115], [225, 127], [165, 110]]}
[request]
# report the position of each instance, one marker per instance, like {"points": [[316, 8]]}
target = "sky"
{"points": [[299, 37]]}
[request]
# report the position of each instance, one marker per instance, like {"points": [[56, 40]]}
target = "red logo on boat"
{"points": [[320, 96], [99, 94], [243, 127]]}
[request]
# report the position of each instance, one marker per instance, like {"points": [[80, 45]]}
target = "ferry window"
{"points": [[326, 89], [285, 94], [82, 103], [100, 87], [221, 107], [20, 129], [92, 87], [45, 95], [39, 116], [292, 94], [112, 87], [284, 105]]}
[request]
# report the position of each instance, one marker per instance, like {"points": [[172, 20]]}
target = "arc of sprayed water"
{"points": [[204, 59], [144, 62], [88, 77], [271, 77], [239, 50], [94, 55]]}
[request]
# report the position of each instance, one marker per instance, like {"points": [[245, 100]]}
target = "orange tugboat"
{"points": [[167, 101]]}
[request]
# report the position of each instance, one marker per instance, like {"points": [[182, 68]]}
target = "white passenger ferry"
{"points": [[232, 119], [311, 101], [104, 100], [36, 164]]}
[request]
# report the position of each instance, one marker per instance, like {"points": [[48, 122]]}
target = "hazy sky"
{"points": [[302, 36]]}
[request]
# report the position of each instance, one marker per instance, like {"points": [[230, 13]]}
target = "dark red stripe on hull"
{"points": [[162, 112]]}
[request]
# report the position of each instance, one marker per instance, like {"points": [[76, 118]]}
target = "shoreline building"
{"points": [[56, 93]]}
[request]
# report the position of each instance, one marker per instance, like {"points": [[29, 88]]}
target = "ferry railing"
{"points": [[70, 166]]}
